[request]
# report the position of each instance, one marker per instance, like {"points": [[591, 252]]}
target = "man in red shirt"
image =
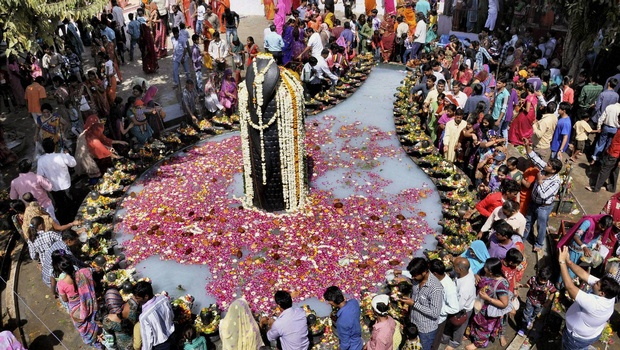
{"points": [[509, 189], [609, 167]]}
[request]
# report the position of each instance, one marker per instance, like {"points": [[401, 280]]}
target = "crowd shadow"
{"points": [[47, 341]]}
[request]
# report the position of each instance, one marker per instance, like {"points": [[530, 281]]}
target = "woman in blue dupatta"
{"points": [[288, 38], [584, 237], [477, 255]]}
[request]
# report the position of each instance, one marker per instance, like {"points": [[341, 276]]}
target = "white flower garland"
{"points": [[289, 114]]}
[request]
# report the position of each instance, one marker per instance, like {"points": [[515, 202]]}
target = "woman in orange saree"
{"points": [[270, 9], [370, 5], [218, 7]]}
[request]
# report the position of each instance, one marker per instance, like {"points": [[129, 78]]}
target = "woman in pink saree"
{"points": [[280, 18], [78, 290], [389, 7], [228, 92]]}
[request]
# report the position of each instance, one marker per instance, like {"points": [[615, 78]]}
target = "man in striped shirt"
{"points": [[545, 188], [425, 302]]}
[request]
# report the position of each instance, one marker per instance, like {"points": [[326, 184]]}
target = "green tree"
{"points": [[24, 21], [585, 20]]}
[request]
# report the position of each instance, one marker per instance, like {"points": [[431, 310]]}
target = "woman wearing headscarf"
{"points": [[228, 92], [96, 92], [99, 145], [154, 115], [324, 33], [270, 9], [593, 233], [522, 127], [238, 329], [159, 31], [280, 17], [115, 323], [477, 254], [388, 38], [149, 51]]}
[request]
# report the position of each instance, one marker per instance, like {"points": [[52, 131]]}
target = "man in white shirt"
{"points": [[200, 16], [587, 316], [509, 211], [55, 167], [315, 44], [466, 291], [218, 50], [117, 16], [450, 304], [419, 35], [310, 78], [322, 69], [456, 96], [156, 319]]}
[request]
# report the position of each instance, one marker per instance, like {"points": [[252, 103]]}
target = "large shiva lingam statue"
{"points": [[273, 137]]}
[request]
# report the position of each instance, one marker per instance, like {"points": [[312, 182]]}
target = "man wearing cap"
{"points": [[425, 301], [383, 331], [290, 329]]}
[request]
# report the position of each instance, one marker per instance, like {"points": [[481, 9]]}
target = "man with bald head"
{"points": [[466, 290]]}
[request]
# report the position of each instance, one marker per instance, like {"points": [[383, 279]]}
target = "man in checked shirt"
{"points": [[545, 188]]}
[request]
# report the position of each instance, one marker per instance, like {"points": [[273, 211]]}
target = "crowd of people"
{"points": [[479, 101]]}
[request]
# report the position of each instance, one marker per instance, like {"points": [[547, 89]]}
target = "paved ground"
{"points": [[35, 295]]}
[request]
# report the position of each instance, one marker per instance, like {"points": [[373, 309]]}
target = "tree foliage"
{"points": [[586, 18], [23, 22]]}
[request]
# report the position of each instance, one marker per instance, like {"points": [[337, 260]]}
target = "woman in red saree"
{"points": [[110, 49], [149, 61], [99, 146], [96, 93], [270, 9], [388, 38], [521, 127], [159, 30]]}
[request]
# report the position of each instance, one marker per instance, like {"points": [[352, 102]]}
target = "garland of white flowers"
{"points": [[257, 87], [291, 133]]}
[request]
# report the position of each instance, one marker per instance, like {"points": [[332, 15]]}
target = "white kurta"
{"points": [[451, 135]]}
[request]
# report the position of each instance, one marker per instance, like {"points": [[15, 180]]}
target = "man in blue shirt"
{"points": [[274, 44], [561, 135], [107, 31], [180, 49], [423, 6], [133, 29], [500, 105], [348, 323]]}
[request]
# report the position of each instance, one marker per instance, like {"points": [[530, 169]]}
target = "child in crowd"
{"points": [[77, 126], [410, 340], [192, 341], [496, 179], [514, 172], [582, 129], [541, 292]]}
